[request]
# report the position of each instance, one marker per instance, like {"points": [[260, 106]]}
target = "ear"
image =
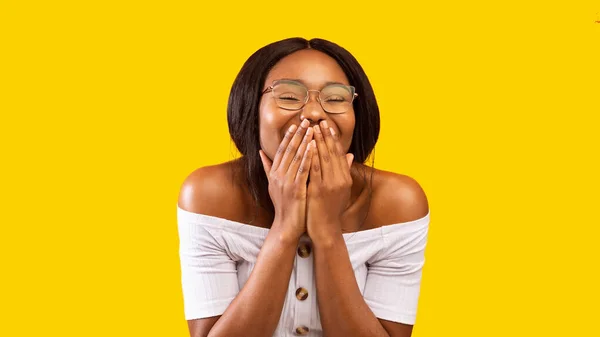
{"points": [[349, 158]]}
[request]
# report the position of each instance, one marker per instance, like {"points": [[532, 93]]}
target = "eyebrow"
{"points": [[301, 81]]}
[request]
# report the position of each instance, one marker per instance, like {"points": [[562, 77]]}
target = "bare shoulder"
{"points": [[212, 190], [397, 198]]}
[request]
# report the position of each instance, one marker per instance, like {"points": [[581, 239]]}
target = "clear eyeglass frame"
{"points": [[350, 89]]}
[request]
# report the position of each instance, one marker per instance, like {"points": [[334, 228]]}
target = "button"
{"points": [[301, 330], [301, 294], [304, 249]]}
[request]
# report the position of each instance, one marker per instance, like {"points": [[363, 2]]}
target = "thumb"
{"points": [[267, 163], [349, 158]]}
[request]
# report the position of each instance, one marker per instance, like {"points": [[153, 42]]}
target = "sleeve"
{"points": [[394, 275], [208, 275]]}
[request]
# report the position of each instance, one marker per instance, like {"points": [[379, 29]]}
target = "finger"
{"points": [[336, 148], [337, 143], [267, 164], [315, 165], [304, 169], [283, 145], [323, 154], [330, 142], [300, 154], [293, 146], [349, 159]]}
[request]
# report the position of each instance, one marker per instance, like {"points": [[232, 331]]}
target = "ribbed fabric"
{"points": [[217, 256]]}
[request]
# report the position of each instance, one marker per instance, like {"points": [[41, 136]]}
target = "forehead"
{"points": [[312, 67]]}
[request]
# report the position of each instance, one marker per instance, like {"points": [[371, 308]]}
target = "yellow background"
{"points": [[106, 106]]}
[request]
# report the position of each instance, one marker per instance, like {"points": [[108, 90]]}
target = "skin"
{"points": [[335, 201]]}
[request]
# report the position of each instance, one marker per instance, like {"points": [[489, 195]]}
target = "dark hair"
{"points": [[245, 96]]}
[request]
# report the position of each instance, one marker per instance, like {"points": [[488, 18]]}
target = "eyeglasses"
{"points": [[293, 95]]}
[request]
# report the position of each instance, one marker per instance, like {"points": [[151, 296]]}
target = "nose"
{"points": [[313, 111]]}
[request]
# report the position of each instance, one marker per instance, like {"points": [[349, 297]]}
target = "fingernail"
{"points": [[317, 129], [305, 123], [332, 132], [308, 132], [325, 124], [292, 127]]}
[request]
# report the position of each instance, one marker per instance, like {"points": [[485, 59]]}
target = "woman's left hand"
{"points": [[329, 189]]}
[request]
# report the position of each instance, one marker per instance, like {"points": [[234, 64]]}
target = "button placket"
{"points": [[304, 281], [301, 294], [301, 330], [304, 249]]}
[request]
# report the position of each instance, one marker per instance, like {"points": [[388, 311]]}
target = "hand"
{"points": [[330, 184], [287, 175]]}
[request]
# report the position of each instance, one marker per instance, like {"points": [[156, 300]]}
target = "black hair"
{"points": [[244, 101]]}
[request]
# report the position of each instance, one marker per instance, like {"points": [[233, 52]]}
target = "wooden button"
{"points": [[301, 330], [301, 294], [304, 249]]}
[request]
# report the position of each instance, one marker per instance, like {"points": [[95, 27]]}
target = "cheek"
{"points": [[346, 126], [270, 127]]}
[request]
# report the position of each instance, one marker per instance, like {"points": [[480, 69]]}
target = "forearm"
{"points": [[342, 308], [256, 309]]}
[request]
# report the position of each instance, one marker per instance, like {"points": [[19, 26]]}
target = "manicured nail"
{"points": [[292, 127], [305, 123], [324, 123], [331, 130], [317, 129]]}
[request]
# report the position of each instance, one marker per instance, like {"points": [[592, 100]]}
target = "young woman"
{"points": [[298, 237]]}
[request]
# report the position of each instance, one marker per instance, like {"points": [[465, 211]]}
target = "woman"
{"points": [[298, 236]]}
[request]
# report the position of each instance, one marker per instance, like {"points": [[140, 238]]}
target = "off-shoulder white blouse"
{"points": [[217, 256]]}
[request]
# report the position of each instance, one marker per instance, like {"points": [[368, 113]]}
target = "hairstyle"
{"points": [[246, 93]]}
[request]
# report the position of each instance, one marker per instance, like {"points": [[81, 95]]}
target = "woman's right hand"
{"points": [[288, 174]]}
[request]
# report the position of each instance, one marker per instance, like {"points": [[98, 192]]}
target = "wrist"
{"points": [[285, 232], [327, 235], [327, 241]]}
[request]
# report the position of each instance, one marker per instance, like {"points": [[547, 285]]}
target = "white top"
{"points": [[217, 256]]}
